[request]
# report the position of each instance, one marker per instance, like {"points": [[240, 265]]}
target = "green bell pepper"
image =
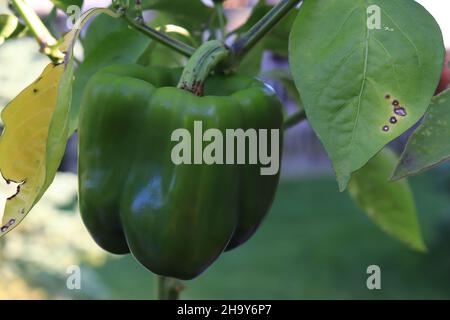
{"points": [[175, 219]]}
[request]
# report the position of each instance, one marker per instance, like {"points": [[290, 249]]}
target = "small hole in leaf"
{"points": [[395, 103], [386, 128], [11, 222], [400, 111], [393, 120], [4, 228]]}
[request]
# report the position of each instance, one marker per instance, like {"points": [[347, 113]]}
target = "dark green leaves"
{"points": [[429, 145], [191, 14], [64, 4], [362, 87], [389, 204], [277, 39], [121, 45]]}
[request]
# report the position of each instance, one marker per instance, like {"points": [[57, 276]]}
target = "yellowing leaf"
{"points": [[35, 134], [24, 141], [389, 204]]}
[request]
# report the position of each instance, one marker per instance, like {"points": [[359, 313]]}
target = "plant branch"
{"points": [[293, 119], [260, 29], [162, 38], [47, 43], [221, 17], [168, 288]]}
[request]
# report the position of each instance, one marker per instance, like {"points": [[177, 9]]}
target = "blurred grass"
{"points": [[314, 245]]}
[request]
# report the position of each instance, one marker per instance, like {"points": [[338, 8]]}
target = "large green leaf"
{"points": [[429, 145], [363, 87], [389, 204], [35, 134]]}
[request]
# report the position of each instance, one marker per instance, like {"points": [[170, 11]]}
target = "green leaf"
{"points": [[35, 135], [277, 39], [191, 14], [8, 24], [363, 87], [429, 145], [100, 27], [389, 204], [124, 45], [64, 4]]}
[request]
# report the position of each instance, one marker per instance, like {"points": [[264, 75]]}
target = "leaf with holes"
{"points": [[366, 71], [35, 135], [389, 204], [429, 145]]}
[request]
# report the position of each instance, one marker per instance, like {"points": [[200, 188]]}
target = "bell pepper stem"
{"points": [[168, 288], [48, 44], [260, 29], [162, 38], [205, 59]]}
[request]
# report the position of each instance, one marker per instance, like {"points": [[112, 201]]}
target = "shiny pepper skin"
{"points": [[175, 219]]}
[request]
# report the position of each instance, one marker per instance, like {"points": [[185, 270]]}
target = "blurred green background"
{"points": [[314, 244]]}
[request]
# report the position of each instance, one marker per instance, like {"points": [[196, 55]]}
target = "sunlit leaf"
{"points": [[8, 24], [35, 134], [364, 84], [389, 204], [429, 145]]}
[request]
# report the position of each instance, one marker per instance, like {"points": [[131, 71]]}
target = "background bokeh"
{"points": [[315, 243]]}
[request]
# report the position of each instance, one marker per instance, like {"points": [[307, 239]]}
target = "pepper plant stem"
{"points": [[162, 38], [47, 42], [293, 119], [168, 288], [260, 29]]}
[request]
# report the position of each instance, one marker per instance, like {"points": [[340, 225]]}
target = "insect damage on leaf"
{"points": [[9, 189], [398, 110]]}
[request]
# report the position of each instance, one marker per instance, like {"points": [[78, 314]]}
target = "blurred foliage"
{"points": [[24, 62], [35, 257], [306, 249]]}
